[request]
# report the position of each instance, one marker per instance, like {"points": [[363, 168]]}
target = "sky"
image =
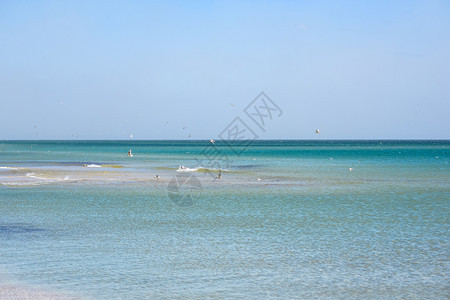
{"points": [[187, 69]]}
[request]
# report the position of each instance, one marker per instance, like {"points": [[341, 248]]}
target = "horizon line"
{"points": [[222, 140]]}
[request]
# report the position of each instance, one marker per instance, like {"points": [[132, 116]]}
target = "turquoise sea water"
{"points": [[288, 219]]}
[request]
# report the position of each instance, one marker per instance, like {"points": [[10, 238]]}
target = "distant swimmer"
{"points": [[219, 176], [317, 131], [129, 154], [212, 141], [156, 176], [182, 168]]}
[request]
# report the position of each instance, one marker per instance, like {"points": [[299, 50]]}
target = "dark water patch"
{"points": [[247, 167], [56, 163], [19, 228]]}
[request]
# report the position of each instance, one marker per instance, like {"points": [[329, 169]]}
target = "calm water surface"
{"points": [[288, 219]]}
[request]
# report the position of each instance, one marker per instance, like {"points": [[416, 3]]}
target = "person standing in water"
{"points": [[129, 153]]}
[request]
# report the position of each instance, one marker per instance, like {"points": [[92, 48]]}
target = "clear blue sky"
{"points": [[105, 69]]}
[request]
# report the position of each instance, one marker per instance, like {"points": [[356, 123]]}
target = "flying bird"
{"points": [[317, 131], [212, 141]]}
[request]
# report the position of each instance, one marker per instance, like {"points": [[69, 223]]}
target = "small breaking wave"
{"points": [[186, 169], [9, 168], [31, 179], [200, 170], [91, 166]]}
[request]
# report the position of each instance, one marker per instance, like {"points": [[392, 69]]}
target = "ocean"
{"points": [[287, 219]]}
